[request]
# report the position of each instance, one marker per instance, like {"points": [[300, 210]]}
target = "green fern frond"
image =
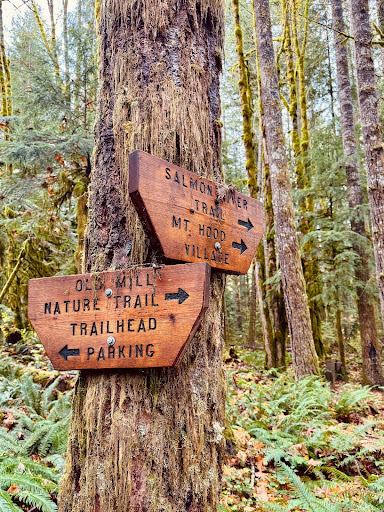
{"points": [[304, 497], [336, 473], [6, 503], [40, 500], [25, 482], [8, 444], [26, 465]]}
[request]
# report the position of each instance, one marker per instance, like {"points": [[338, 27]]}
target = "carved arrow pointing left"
{"points": [[65, 352]]}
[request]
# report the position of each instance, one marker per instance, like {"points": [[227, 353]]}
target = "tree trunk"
{"points": [[5, 72], [340, 342], [151, 440], [303, 350], [275, 300], [380, 19], [246, 106], [67, 90], [269, 346], [374, 155], [53, 43], [238, 305], [252, 310]]}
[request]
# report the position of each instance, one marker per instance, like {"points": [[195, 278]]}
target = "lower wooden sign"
{"points": [[137, 318]]}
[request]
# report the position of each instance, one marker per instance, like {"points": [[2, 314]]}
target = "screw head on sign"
{"points": [[217, 246], [108, 292], [111, 340]]}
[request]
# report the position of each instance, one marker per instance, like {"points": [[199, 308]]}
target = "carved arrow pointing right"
{"points": [[246, 224], [181, 295], [242, 247], [65, 352]]}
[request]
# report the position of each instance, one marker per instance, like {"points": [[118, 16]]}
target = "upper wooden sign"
{"points": [[184, 214], [140, 318]]}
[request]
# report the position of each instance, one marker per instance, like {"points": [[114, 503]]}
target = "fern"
{"points": [[24, 481], [25, 464], [304, 498], [48, 437], [353, 399], [41, 501], [6, 503]]}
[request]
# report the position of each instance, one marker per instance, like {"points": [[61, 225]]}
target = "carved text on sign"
{"points": [[185, 216], [128, 319]]}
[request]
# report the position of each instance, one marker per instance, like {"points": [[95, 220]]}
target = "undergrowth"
{"points": [[299, 446], [35, 405], [302, 445]]}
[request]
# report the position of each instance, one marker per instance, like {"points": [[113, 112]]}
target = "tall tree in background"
{"points": [[294, 49], [271, 305], [380, 19], [5, 73], [371, 359], [372, 133], [303, 349], [151, 440]]}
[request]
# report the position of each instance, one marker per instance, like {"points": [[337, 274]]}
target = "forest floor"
{"points": [[302, 446]]}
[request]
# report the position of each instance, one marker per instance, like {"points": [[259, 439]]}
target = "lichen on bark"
{"points": [[151, 440]]}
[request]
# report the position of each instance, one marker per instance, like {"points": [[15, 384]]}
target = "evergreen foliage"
{"points": [[33, 438], [315, 448]]}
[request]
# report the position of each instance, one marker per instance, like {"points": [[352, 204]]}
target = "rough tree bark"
{"points": [[5, 72], [151, 440], [371, 128], [380, 19], [372, 372], [303, 349], [67, 85], [252, 310], [297, 109], [275, 299]]}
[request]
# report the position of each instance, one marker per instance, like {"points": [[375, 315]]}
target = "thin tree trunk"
{"points": [[295, 57], [252, 310], [258, 274], [53, 44], [48, 44], [5, 81], [310, 264], [380, 19], [374, 155], [67, 91], [275, 300], [275, 312], [151, 440], [340, 342], [330, 78], [246, 106], [269, 347], [303, 350], [238, 305], [15, 269]]}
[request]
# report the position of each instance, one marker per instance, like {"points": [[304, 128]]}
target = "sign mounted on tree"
{"points": [[188, 219], [138, 318]]}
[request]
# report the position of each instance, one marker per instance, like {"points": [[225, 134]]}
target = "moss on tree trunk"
{"points": [[151, 440], [303, 349]]}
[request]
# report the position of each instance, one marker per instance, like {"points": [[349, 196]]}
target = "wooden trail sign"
{"points": [[140, 318], [183, 214]]}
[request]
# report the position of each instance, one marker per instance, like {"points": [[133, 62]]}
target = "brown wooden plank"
{"points": [[151, 314], [182, 214]]}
